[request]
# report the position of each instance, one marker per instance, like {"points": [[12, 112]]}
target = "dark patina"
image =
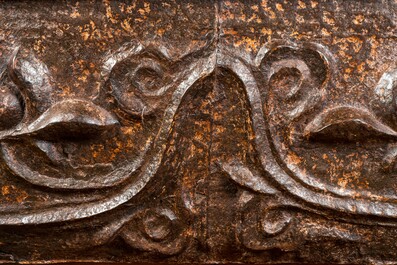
{"points": [[198, 131]]}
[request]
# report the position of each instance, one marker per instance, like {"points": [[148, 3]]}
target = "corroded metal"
{"points": [[198, 131]]}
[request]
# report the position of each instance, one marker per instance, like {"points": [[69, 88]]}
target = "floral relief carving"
{"points": [[205, 132]]}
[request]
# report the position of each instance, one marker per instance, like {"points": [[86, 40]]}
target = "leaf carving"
{"points": [[72, 119], [68, 119], [131, 174], [347, 123]]}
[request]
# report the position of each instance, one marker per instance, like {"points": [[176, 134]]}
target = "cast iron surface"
{"points": [[198, 131]]}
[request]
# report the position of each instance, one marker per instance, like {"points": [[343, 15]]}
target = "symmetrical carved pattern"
{"points": [[209, 132]]}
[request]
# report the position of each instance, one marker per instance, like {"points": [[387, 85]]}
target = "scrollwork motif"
{"points": [[292, 80], [139, 85], [288, 90]]}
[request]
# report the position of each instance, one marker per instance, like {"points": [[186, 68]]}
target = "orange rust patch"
{"points": [[280, 7], [230, 31], [75, 14], [268, 10], [250, 44], [301, 4], [109, 13], [266, 31], [5, 190], [255, 8], [293, 159], [11, 191], [360, 67], [145, 10], [358, 43], [160, 32], [325, 32], [126, 25], [22, 197], [358, 19], [314, 4], [374, 46], [328, 18]]}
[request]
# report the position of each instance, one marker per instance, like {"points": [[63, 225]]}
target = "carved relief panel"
{"points": [[188, 131]]}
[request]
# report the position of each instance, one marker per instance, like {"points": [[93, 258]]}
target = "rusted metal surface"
{"points": [[198, 131]]}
